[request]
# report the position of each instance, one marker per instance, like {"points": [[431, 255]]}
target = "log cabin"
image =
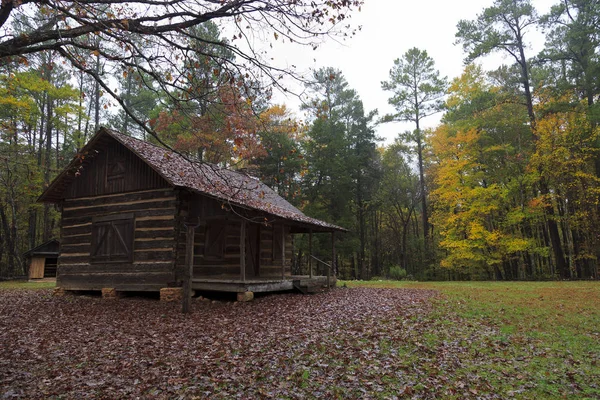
{"points": [[138, 217]]}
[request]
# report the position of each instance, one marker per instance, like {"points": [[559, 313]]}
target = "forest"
{"points": [[506, 187]]}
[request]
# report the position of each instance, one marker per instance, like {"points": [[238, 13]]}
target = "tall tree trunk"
{"points": [[362, 236], [9, 234], [2, 244], [32, 229], [97, 97], [553, 229], [126, 121], [424, 214], [557, 248], [47, 165]]}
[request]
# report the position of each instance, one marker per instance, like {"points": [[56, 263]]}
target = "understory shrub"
{"points": [[397, 273]]}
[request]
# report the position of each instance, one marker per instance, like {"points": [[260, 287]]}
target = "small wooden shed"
{"points": [[127, 208], [43, 260]]}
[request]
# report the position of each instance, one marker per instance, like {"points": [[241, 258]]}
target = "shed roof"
{"points": [[221, 183], [49, 248]]}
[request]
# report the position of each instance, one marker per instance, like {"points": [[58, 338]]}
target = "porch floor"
{"points": [[259, 285]]}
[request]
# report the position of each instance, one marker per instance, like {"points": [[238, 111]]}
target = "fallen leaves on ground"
{"points": [[347, 343]]}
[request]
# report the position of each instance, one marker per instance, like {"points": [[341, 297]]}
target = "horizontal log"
{"points": [[78, 230], [275, 276], [216, 270], [147, 255], [81, 219], [123, 198], [215, 262], [234, 287], [121, 281], [235, 256], [75, 239], [120, 208], [168, 216], [271, 270], [63, 259], [78, 225], [167, 228], [157, 244], [74, 269], [119, 197], [139, 255], [75, 248], [156, 249], [66, 255], [139, 244], [155, 237], [170, 223]]}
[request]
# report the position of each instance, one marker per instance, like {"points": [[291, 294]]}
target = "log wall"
{"points": [[270, 264], [154, 243]]}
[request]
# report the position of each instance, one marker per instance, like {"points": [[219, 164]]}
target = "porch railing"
{"points": [[329, 269]]}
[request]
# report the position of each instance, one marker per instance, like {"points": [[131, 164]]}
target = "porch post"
{"points": [[189, 273], [332, 259], [282, 251], [243, 251], [310, 272]]}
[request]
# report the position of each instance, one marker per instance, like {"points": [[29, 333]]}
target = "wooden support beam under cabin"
{"points": [[189, 273], [243, 250], [310, 253]]}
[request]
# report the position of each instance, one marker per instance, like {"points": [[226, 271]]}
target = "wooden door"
{"points": [[253, 250], [36, 269]]}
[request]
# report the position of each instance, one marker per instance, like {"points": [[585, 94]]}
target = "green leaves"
{"points": [[416, 86], [500, 27]]}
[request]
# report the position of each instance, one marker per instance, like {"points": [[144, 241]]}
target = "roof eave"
{"points": [[316, 227]]}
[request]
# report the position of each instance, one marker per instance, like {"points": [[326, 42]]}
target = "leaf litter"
{"points": [[347, 343]]}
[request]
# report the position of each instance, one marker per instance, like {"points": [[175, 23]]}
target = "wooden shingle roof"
{"points": [[230, 186]]}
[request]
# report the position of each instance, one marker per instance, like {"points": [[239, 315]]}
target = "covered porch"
{"points": [[245, 271]]}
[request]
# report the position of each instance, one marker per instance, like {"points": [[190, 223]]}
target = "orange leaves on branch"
{"points": [[225, 133]]}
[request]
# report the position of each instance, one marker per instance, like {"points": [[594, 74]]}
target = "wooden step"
{"points": [[307, 286]]}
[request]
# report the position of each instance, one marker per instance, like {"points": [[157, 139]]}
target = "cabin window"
{"points": [[214, 247], [112, 238], [116, 169]]}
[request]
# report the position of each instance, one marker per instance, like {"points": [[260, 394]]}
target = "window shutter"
{"points": [[122, 240], [112, 239], [100, 241]]}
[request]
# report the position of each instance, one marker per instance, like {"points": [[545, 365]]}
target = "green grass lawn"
{"points": [[544, 340], [26, 285]]}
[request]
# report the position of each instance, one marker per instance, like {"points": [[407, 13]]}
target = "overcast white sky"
{"points": [[389, 29]]}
